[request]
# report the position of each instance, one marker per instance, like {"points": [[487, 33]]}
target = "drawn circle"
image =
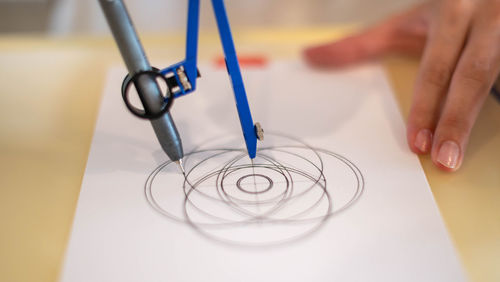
{"points": [[286, 194], [243, 184], [232, 198]]}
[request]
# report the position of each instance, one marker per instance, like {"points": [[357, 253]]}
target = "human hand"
{"points": [[459, 40]]}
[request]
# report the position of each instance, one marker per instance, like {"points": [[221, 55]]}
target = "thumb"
{"points": [[403, 33], [363, 46]]}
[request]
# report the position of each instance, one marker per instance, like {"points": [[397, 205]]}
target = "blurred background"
{"points": [[69, 17]]}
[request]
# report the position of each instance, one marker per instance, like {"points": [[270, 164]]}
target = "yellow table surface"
{"points": [[49, 94]]}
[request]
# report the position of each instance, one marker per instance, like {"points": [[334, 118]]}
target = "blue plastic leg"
{"points": [[233, 68]]}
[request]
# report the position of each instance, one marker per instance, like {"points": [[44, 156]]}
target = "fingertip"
{"points": [[323, 55], [419, 140], [421, 125], [312, 55], [443, 167], [347, 51], [422, 142], [447, 155]]}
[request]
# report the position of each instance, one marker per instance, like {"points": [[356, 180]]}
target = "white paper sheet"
{"points": [[335, 194]]}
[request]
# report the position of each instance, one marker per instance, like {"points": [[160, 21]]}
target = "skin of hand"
{"points": [[459, 44]]}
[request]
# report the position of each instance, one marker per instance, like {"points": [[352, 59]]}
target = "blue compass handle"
{"points": [[233, 69], [181, 77]]}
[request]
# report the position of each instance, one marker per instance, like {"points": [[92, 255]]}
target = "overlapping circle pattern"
{"points": [[285, 194]]}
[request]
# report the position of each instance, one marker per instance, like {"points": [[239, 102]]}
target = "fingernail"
{"points": [[448, 154], [423, 140]]}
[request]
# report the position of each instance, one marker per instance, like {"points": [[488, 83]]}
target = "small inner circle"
{"points": [[254, 183]]}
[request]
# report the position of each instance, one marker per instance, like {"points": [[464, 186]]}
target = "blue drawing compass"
{"points": [[181, 77]]}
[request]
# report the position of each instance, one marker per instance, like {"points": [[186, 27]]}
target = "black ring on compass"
{"points": [[143, 113]]}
